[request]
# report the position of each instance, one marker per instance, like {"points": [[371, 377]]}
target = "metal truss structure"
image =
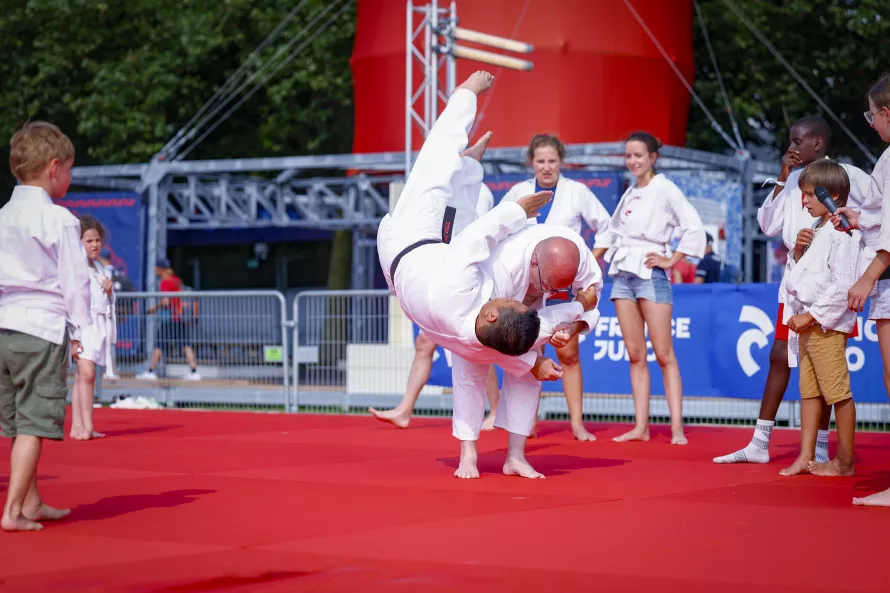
{"points": [[429, 40], [269, 192], [275, 192]]}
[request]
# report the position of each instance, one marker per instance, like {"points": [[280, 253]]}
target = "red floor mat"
{"points": [[199, 501]]}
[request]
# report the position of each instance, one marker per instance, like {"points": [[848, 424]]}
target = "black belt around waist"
{"points": [[885, 275], [447, 228], [406, 251]]}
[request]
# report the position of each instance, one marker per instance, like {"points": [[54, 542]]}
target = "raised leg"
{"points": [[439, 159]]}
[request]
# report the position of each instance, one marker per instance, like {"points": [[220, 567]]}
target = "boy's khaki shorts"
{"points": [[823, 365], [33, 386]]}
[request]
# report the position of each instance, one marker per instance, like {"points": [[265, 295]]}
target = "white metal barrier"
{"points": [[236, 340]]}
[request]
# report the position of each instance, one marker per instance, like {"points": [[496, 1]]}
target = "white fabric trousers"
{"points": [[440, 177], [517, 406]]}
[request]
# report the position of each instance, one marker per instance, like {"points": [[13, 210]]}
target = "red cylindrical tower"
{"points": [[597, 75]]}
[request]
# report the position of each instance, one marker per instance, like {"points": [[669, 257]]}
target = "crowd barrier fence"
{"points": [[345, 351]]}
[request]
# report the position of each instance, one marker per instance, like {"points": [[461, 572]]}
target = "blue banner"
{"points": [[121, 215], [722, 333]]}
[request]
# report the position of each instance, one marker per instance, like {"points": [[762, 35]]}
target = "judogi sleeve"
{"points": [[592, 210], [692, 241], [74, 277], [589, 274], [881, 179], [771, 215]]}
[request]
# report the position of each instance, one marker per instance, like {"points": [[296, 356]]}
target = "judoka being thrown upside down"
{"points": [[448, 284]]}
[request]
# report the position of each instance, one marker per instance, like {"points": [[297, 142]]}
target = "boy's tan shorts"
{"points": [[823, 365], [33, 386]]}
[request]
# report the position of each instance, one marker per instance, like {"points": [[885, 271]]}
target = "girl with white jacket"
{"points": [[572, 204], [98, 338], [637, 239]]}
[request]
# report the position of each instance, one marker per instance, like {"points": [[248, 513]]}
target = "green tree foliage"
{"points": [[837, 46], [120, 78]]}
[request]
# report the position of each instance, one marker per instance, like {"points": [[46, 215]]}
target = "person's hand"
{"points": [[851, 215], [791, 160], [804, 238], [858, 294], [546, 370], [588, 298], [560, 338], [654, 260], [76, 349], [800, 322], [564, 333], [107, 286], [534, 202]]}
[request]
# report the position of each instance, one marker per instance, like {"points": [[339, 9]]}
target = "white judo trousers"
{"points": [[441, 177], [517, 406]]}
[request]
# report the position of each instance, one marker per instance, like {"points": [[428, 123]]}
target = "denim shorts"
{"points": [[630, 286]]}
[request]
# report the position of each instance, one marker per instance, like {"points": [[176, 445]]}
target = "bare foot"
{"points": [[830, 468], [798, 467], [580, 433], [467, 469], [19, 524], [521, 468], [395, 416], [633, 435], [80, 435], [489, 422], [879, 499], [47, 513], [678, 437], [477, 150], [76, 431], [98, 435], [478, 82]]}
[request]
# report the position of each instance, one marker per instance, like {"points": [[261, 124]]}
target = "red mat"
{"points": [[200, 501]]}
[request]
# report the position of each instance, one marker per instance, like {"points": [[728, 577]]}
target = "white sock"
{"points": [[822, 446], [757, 450]]}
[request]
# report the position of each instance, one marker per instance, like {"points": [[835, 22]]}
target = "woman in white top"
{"points": [[572, 203], [98, 338], [874, 221], [637, 238]]}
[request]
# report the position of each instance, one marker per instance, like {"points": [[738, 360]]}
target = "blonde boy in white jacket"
{"points": [[824, 266]]}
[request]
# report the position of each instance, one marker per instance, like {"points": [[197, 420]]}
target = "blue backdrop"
{"points": [[121, 215], [722, 337]]}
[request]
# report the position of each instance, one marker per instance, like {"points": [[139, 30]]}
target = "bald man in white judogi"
{"points": [[516, 267]]}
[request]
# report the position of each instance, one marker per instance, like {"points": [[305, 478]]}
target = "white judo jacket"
{"points": [[573, 203]]}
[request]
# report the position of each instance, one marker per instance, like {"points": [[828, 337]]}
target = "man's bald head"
{"points": [[558, 261]]}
